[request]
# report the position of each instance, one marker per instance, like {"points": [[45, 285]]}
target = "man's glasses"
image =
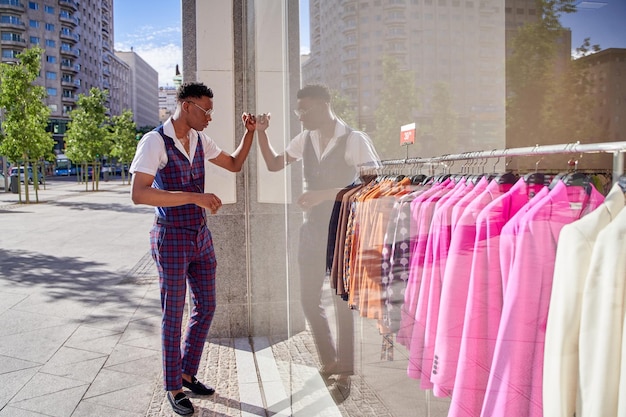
{"points": [[301, 113], [207, 113]]}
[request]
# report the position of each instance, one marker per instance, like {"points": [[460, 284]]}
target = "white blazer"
{"points": [[602, 321], [573, 257]]}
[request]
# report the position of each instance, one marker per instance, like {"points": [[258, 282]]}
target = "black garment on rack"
{"points": [[333, 225]]}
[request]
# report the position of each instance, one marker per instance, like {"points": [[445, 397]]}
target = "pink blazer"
{"points": [[484, 303], [419, 320], [442, 224], [515, 381], [455, 287], [422, 208]]}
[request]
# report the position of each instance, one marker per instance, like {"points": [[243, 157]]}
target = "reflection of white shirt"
{"points": [[359, 147], [151, 155]]}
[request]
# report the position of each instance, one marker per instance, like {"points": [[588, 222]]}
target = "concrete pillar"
{"points": [[248, 52]]}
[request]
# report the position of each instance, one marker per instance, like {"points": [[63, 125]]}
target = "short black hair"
{"points": [[193, 89], [317, 91]]}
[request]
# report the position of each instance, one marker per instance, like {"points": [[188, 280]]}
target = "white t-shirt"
{"points": [[359, 147], [151, 155]]}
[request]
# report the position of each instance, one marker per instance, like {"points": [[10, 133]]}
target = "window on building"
{"points": [[33, 23], [33, 5], [51, 91], [11, 37], [9, 53], [7, 18], [34, 40], [51, 75], [53, 107], [48, 9], [51, 59], [51, 43], [50, 27]]}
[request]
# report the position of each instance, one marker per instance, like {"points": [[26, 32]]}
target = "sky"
{"points": [[153, 29]]}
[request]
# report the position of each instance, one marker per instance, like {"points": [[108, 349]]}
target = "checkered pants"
{"points": [[183, 255]]}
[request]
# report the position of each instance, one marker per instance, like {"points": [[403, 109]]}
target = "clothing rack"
{"points": [[616, 148]]}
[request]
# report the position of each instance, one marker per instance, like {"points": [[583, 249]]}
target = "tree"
{"points": [[343, 109], [396, 108], [24, 139], [534, 76], [123, 137], [568, 102], [87, 136]]}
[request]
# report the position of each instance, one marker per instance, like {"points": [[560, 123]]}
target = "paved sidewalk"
{"points": [[80, 324]]}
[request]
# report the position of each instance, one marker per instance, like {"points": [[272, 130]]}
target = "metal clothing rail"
{"points": [[616, 148]]}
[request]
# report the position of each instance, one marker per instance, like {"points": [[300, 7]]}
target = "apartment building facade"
{"points": [[143, 87], [607, 72], [461, 43], [77, 38]]}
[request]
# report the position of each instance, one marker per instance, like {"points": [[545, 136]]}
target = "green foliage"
{"points": [[25, 114], [567, 105], [87, 136], [123, 131], [343, 109], [396, 108], [145, 129], [547, 101]]}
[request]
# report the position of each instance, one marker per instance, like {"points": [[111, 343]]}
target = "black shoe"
{"points": [[180, 404], [198, 387], [340, 389]]}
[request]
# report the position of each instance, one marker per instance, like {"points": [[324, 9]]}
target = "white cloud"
{"points": [[159, 47]]}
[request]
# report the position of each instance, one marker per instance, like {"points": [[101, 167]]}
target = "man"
{"points": [[331, 154], [168, 173]]}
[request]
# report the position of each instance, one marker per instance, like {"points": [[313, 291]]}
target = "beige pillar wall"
{"points": [[215, 68], [248, 53], [272, 96]]}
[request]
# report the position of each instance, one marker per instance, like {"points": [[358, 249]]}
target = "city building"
{"points": [[461, 43], [607, 70], [167, 102], [458, 43], [144, 89], [167, 97], [77, 38], [119, 98]]}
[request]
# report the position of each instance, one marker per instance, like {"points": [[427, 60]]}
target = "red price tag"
{"points": [[407, 134]]}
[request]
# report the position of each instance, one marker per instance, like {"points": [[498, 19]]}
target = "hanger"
{"points": [[506, 178], [577, 179], [535, 178]]}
